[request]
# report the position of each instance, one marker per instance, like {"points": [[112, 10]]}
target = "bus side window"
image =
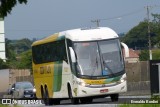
{"points": [[49, 52], [69, 44], [62, 51]]}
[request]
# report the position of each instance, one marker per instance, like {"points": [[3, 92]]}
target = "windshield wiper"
{"points": [[94, 69], [105, 65]]}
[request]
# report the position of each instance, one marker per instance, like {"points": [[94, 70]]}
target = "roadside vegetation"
{"points": [[139, 105], [2, 105], [156, 98], [18, 53], [137, 38]]}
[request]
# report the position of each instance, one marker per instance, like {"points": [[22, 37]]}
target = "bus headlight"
{"points": [[83, 84], [121, 80]]}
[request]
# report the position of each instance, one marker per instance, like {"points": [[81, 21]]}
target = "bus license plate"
{"points": [[104, 91]]}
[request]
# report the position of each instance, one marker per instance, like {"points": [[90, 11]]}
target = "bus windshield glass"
{"points": [[99, 58]]}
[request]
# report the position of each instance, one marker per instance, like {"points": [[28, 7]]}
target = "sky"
{"points": [[42, 18]]}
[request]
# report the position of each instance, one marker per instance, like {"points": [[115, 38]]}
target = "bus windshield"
{"points": [[99, 58]]}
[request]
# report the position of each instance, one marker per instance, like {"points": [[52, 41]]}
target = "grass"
{"points": [[140, 105], [6, 105], [156, 98], [2, 105]]}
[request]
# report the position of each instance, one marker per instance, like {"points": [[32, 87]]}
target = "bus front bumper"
{"points": [[83, 91]]}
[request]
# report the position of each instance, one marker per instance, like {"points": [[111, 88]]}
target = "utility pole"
{"points": [[149, 36], [96, 21]]}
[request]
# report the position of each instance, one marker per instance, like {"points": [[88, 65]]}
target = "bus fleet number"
{"points": [[45, 70]]}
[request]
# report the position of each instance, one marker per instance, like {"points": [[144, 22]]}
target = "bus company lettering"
{"points": [[45, 70]]}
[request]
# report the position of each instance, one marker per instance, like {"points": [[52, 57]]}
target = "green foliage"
{"points": [[25, 60], [10, 54], [7, 5], [18, 53], [144, 55], [22, 61], [2, 105], [139, 105], [21, 45], [17, 46], [138, 35], [156, 54]]}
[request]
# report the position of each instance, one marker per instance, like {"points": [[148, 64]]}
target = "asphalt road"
{"points": [[100, 102]]}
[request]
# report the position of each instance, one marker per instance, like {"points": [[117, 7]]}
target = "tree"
{"points": [[25, 60], [156, 24], [18, 53], [144, 55], [10, 54], [138, 35], [7, 5]]}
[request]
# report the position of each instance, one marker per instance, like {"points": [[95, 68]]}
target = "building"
{"points": [[2, 40], [133, 56]]}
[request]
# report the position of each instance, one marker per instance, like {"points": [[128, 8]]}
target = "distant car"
{"points": [[22, 90]]}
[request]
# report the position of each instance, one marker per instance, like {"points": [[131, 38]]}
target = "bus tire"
{"points": [[114, 97], [47, 100], [42, 92], [86, 100], [73, 100], [56, 102]]}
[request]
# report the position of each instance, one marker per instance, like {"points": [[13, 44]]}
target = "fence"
{"points": [[25, 78], [138, 78]]}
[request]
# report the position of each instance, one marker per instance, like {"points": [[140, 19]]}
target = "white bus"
{"points": [[79, 64]]}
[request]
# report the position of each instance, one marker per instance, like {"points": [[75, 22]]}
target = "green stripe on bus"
{"points": [[61, 37], [57, 76], [115, 79]]}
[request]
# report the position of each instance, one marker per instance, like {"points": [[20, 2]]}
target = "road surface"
{"points": [[100, 102]]}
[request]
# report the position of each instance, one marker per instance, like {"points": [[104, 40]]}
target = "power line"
{"points": [[97, 21]]}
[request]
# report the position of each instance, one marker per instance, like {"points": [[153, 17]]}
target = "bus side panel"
{"points": [[57, 77], [43, 75], [61, 80]]}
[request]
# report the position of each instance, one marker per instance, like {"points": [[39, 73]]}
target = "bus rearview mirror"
{"points": [[73, 57]]}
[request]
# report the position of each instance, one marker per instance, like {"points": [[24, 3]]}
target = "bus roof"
{"points": [[99, 33]]}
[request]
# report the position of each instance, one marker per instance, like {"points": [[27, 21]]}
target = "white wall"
{"points": [[1, 25], [2, 40], [4, 80]]}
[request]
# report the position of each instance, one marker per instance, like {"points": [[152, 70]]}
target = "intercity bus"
{"points": [[79, 64]]}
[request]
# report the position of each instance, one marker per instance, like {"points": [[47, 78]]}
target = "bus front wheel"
{"points": [[86, 100], [114, 97], [56, 102], [73, 100]]}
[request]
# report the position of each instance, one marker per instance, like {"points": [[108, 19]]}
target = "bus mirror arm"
{"points": [[126, 50], [73, 57]]}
